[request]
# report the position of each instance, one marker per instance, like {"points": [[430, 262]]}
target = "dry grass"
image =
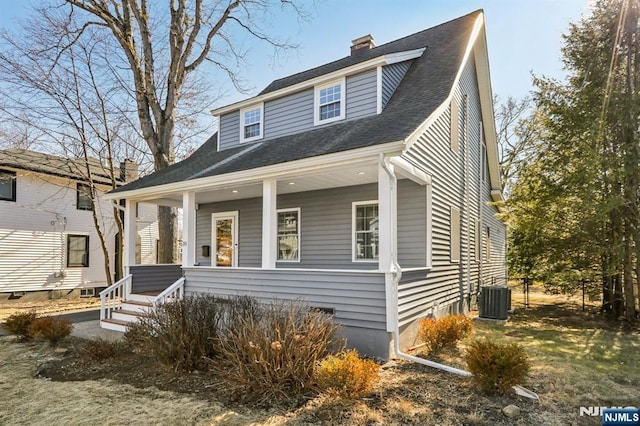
{"points": [[577, 360], [46, 307]]}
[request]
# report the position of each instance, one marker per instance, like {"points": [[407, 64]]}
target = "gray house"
{"points": [[362, 187]]}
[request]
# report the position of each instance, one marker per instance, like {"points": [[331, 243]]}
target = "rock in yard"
{"points": [[61, 351], [511, 411]]}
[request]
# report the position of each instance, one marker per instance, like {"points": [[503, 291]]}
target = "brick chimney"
{"points": [[128, 170], [362, 44]]}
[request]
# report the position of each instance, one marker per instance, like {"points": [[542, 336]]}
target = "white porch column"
{"points": [[269, 223], [129, 237], [387, 217], [188, 228]]}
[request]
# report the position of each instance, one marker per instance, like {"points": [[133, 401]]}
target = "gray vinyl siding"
{"points": [[361, 95], [326, 232], [357, 297], [288, 115], [293, 113], [229, 130], [455, 183], [391, 77], [153, 277], [249, 230]]}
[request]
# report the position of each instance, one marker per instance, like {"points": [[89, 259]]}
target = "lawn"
{"points": [[578, 360]]}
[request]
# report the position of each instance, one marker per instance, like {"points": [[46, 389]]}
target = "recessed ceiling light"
{"points": [[360, 173], [292, 183], [235, 191]]}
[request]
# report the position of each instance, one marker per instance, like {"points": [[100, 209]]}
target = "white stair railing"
{"points": [[111, 298], [174, 292]]}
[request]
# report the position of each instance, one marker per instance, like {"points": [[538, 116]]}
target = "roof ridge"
{"points": [[372, 49]]}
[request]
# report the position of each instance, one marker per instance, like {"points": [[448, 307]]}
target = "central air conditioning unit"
{"points": [[494, 302]]}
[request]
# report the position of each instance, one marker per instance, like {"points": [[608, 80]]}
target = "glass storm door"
{"points": [[225, 239]]}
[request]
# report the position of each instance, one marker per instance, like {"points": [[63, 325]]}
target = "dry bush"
{"points": [[18, 324], [102, 349], [444, 332], [271, 355], [496, 367], [347, 374], [184, 333], [51, 329]]}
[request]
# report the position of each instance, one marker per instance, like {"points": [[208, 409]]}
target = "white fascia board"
{"points": [[282, 170], [477, 45], [408, 170], [389, 59], [413, 137]]}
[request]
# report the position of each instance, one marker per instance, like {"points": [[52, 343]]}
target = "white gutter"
{"points": [[397, 275]]}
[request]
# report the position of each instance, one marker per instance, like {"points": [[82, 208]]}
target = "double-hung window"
{"points": [[365, 231], [7, 186], [251, 123], [329, 104], [83, 197], [77, 251], [289, 235]]}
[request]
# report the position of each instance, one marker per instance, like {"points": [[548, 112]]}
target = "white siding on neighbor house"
{"points": [[391, 77], [147, 225], [326, 232], [33, 236], [455, 184], [357, 297], [294, 113]]}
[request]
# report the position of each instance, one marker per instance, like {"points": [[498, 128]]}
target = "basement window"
{"points": [[7, 186]]}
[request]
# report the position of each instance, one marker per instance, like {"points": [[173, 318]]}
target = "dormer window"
{"points": [[251, 119], [329, 102]]}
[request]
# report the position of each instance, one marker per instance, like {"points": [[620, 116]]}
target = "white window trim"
{"points": [[316, 102], [293, 209], [242, 124], [429, 236], [354, 205]]}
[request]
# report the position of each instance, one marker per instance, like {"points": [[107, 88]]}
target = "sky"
{"points": [[523, 36]]}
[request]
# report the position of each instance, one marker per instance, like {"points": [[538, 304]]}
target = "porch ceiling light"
{"points": [[235, 191], [361, 173], [292, 183]]}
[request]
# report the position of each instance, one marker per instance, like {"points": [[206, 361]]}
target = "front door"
{"points": [[225, 239]]}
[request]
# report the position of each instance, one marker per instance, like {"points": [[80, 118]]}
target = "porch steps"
{"points": [[114, 324], [135, 306]]}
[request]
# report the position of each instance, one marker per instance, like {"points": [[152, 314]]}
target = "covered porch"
{"points": [[322, 232]]}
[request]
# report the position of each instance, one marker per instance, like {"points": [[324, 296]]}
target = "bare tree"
{"points": [[515, 128], [164, 43]]}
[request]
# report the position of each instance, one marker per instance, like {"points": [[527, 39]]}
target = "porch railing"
{"points": [[111, 298], [174, 292]]}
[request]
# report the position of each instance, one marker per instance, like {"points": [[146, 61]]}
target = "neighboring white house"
{"points": [[363, 187], [48, 239]]}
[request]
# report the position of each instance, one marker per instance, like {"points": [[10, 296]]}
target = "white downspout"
{"points": [[396, 271]]}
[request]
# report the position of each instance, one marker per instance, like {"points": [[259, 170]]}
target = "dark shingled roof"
{"points": [[425, 86], [39, 162]]}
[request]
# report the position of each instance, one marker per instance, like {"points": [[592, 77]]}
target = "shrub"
{"points": [[102, 349], [51, 329], [185, 333], [18, 324], [444, 332], [347, 374], [496, 367], [272, 354]]}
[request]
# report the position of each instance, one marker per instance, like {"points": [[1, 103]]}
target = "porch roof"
{"points": [[426, 85]]}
